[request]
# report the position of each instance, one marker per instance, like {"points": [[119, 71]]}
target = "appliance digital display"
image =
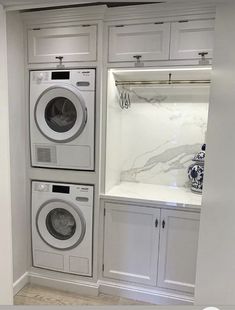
{"points": [[60, 189], [60, 75]]}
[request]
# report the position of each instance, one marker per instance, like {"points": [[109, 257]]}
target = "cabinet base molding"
{"points": [[105, 287], [144, 294], [78, 287], [20, 283]]}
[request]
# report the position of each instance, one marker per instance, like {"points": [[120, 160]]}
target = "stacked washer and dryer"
{"points": [[62, 134]]}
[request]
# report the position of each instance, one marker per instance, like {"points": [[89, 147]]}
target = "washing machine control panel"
{"points": [[79, 193]]}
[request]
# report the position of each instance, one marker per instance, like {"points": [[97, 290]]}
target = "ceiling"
{"points": [[33, 4]]}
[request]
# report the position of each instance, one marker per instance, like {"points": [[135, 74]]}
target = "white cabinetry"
{"points": [[178, 250], [131, 240], [75, 43], [132, 251], [190, 38], [150, 41], [161, 41]]}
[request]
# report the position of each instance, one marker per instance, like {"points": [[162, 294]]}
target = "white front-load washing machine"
{"points": [[62, 221], [62, 118]]}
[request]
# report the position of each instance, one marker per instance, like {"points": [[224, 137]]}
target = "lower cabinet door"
{"points": [[131, 238], [178, 250]]}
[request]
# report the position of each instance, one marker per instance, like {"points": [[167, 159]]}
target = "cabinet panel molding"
{"points": [[190, 38], [77, 43], [150, 41], [178, 250], [131, 238]]}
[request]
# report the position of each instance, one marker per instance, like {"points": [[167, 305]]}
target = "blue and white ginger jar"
{"points": [[196, 171]]}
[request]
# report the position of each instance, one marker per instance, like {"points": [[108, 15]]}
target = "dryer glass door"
{"points": [[60, 224], [60, 113]]}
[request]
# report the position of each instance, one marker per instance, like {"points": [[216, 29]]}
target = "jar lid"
{"points": [[200, 156]]}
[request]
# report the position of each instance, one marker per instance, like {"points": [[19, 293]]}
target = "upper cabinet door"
{"points": [[190, 38], [150, 41], [178, 250], [76, 43]]}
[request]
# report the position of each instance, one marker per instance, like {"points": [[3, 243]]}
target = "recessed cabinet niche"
{"points": [[151, 246], [77, 43]]}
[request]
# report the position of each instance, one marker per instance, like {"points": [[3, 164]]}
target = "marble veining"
{"points": [[161, 132], [137, 97], [166, 94], [170, 160]]}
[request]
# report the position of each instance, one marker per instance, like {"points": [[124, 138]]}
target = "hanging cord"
{"points": [[125, 96], [124, 100]]}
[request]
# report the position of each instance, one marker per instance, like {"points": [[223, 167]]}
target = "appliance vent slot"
{"points": [[44, 155]]}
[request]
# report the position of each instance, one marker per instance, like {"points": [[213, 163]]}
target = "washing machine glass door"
{"points": [[60, 113], [60, 224]]}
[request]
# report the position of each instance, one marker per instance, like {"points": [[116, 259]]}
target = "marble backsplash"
{"points": [[161, 132]]}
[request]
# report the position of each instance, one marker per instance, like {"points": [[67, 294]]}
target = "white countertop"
{"points": [[169, 196]]}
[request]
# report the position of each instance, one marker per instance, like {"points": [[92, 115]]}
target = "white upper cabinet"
{"points": [[131, 239], [150, 41], [190, 38], [75, 43], [178, 250]]}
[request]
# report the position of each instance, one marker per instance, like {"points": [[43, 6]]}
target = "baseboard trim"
{"points": [[106, 287], [79, 287], [143, 294], [20, 283]]}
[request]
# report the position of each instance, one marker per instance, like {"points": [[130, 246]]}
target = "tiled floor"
{"points": [[38, 295]]}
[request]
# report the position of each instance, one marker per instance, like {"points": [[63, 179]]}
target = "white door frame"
{"points": [[6, 266]]}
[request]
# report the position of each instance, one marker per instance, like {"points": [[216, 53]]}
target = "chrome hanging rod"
{"points": [[162, 82]]}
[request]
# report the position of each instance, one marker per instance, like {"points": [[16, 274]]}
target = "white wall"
{"points": [[215, 282], [18, 142], [6, 288]]}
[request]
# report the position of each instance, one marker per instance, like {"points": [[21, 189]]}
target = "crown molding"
{"points": [[17, 5], [65, 15], [103, 13], [158, 11]]}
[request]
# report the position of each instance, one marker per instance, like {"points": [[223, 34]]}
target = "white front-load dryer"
{"points": [[62, 118], [62, 221]]}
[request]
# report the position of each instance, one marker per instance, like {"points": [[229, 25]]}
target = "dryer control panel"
{"points": [[84, 79]]}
